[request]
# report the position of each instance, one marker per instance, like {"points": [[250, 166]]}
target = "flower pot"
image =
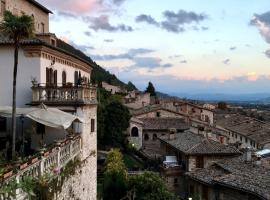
{"points": [[34, 160]]}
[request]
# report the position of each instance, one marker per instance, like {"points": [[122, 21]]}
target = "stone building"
{"points": [[136, 99], [112, 88], [32, 8], [51, 73], [246, 131], [238, 178], [191, 152]]}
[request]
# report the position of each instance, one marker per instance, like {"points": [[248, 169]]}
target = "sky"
{"points": [[182, 46]]}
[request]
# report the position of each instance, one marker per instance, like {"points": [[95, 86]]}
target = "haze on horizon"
{"points": [[181, 46]]}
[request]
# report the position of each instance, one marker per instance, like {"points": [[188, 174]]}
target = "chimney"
{"points": [[172, 134], [247, 155], [258, 160]]}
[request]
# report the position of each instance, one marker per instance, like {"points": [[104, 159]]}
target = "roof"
{"points": [[61, 46], [195, 144], [249, 127], [43, 8], [164, 123], [153, 108], [237, 174]]}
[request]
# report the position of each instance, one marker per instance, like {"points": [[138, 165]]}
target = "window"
{"points": [[199, 162], [3, 124], [76, 77], [146, 137], [158, 114], [134, 132], [205, 192], [191, 190], [3, 7], [246, 140], [64, 78], [155, 137], [92, 125], [42, 28], [55, 77], [175, 181]]}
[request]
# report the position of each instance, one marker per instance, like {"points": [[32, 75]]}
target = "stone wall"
{"points": [[82, 185], [18, 7]]}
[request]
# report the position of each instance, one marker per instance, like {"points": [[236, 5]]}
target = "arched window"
{"points": [[134, 132], [47, 76], [64, 78], [55, 77], [154, 136], [146, 137], [76, 78], [51, 77]]}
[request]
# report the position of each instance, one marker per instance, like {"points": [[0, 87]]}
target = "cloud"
{"points": [[83, 48], [227, 62], [147, 18], [174, 21], [103, 23], [82, 6], [267, 53], [130, 54], [88, 33], [233, 48], [183, 61], [204, 28], [262, 22], [66, 14], [108, 40], [149, 62]]}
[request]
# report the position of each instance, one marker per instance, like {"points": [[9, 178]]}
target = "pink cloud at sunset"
{"points": [[78, 6]]}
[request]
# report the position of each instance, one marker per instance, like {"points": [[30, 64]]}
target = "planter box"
{"points": [[23, 166], [8, 174], [46, 153], [34, 160]]}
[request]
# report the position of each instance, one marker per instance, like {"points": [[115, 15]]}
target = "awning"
{"points": [[51, 117]]}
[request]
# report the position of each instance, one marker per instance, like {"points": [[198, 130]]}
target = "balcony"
{"points": [[50, 161], [176, 170], [68, 94]]}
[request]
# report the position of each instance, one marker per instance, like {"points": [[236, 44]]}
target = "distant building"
{"points": [[238, 178], [191, 152], [136, 99], [112, 88]]}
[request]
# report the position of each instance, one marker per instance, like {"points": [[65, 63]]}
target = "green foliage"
{"points": [[16, 27], [151, 89], [112, 118], [116, 120], [149, 186], [130, 86], [10, 189], [28, 185], [115, 176]]}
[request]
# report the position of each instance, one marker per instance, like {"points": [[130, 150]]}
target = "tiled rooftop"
{"points": [[194, 144], [236, 173], [164, 123], [252, 128]]}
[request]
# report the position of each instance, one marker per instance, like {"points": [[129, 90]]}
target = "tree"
{"points": [[149, 186], [115, 176], [151, 89], [16, 28], [116, 121], [130, 86], [222, 105]]}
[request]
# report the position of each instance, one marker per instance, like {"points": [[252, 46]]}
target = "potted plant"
{"points": [[34, 81]]}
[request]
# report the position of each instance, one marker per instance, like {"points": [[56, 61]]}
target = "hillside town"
{"points": [[71, 136]]}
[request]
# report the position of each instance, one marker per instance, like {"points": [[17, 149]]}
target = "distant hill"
{"points": [[161, 94], [98, 74]]}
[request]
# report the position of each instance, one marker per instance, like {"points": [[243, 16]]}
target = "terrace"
{"points": [[63, 94]]}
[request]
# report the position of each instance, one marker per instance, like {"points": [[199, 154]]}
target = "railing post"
{"points": [[58, 157], [41, 166], [71, 148]]}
